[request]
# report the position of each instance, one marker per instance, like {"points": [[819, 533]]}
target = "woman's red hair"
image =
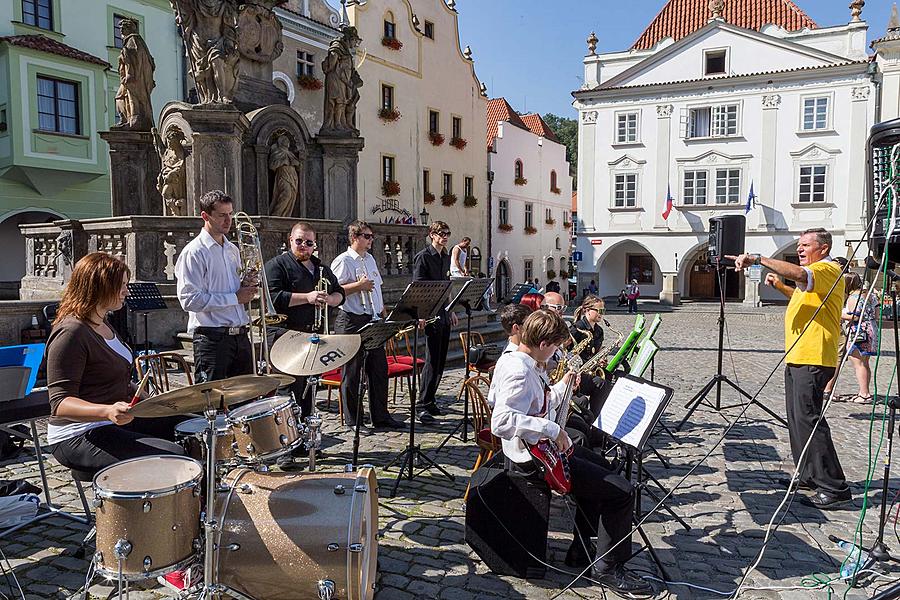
{"points": [[96, 281], [532, 301]]}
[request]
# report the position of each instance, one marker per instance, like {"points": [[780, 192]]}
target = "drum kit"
{"points": [[258, 534]]}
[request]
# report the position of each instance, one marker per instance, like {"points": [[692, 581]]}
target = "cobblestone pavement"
{"points": [[727, 501]]}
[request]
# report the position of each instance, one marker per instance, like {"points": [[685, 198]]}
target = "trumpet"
{"points": [[367, 297], [407, 329], [253, 270], [322, 309]]}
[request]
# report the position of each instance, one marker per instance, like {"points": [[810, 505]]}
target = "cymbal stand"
{"points": [[313, 421]]}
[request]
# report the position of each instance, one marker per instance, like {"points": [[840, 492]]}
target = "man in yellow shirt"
{"points": [[811, 341]]}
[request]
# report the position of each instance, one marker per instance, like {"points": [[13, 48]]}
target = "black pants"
{"points": [[302, 396], [219, 356], [103, 446], [437, 340], [804, 387], [604, 504], [376, 372]]}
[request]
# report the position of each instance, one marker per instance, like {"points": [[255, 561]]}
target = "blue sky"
{"points": [[530, 51]]}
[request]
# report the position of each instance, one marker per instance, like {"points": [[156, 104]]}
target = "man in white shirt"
{"points": [[522, 402], [210, 289], [458, 256], [358, 274]]}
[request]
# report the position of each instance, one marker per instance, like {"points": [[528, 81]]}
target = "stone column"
{"points": [[855, 218], [663, 141], [751, 291], [133, 168], [763, 217], [670, 295], [588, 173], [339, 164], [217, 135]]}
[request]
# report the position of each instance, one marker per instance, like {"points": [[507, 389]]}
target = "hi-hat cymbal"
{"points": [[300, 354], [283, 380], [193, 398]]}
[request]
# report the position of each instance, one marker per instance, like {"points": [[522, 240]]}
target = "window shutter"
{"points": [[683, 123]]}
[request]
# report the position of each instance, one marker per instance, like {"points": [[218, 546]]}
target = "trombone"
{"points": [[253, 270]]}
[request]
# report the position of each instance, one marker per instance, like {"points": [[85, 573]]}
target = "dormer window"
{"points": [[715, 62]]}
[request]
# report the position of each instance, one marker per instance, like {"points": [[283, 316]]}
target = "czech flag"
{"points": [[669, 202], [750, 199]]}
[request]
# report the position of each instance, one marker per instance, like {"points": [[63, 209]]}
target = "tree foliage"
{"points": [[567, 132]]}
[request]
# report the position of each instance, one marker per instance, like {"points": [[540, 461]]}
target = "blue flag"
{"points": [[751, 197]]}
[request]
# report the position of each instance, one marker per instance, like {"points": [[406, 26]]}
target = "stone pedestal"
{"points": [[751, 292], [134, 167], [339, 161], [670, 295], [253, 92]]}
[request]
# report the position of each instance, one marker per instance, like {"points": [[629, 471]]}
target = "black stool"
{"points": [[80, 477]]}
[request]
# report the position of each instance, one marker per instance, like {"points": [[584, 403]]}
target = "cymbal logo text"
{"points": [[331, 356]]}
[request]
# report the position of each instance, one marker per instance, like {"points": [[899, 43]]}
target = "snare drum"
{"points": [[192, 435], [148, 515], [286, 534], [265, 429]]}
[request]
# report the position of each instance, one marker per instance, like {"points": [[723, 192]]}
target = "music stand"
{"points": [[628, 416], [372, 335], [143, 298], [420, 300], [469, 295], [518, 292]]}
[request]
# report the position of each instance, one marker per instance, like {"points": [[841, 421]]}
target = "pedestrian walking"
{"points": [[633, 292]]}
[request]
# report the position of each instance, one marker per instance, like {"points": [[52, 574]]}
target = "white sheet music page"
{"points": [[628, 411]]}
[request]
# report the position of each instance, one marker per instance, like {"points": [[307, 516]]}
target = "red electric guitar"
{"points": [[554, 464]]}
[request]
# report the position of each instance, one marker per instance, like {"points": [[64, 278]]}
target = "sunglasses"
{"points": [[368, 236], [443, 234], [307, 243], [552, 306]]}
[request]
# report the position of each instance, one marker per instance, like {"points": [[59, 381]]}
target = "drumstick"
{"points": [[137, 394]]}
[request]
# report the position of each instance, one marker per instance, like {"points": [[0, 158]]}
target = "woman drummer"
{"points": [[89, 376]]}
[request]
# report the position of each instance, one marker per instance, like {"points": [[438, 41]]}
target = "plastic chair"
{"points": [[159, 366], [487, 443]]}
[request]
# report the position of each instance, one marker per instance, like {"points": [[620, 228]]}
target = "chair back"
{"points": [[477, 338], [158, 365], [481, 410]]}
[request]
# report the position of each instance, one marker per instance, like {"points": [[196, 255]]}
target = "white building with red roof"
{"points": [[715, 99], [531, 195]]}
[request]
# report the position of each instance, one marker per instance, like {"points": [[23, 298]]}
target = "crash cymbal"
{"points": [[300, 354], [192, 399], [283, 380]]}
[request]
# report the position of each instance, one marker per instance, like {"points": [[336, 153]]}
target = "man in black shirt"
{"points": [[293, 277], [433, 264]]}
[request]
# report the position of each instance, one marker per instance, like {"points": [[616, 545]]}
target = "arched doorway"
{"points": [[474, 261], [703, 283], [501, 280], [12, 247]]}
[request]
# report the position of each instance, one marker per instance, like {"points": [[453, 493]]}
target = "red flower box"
{"points": [[530, 230], [308, 82], [390, 188], [448, 199], [470, 201], [458, 143], [429, 198], [392, 43], [520, 181], [505, 227], [550, 221], [388, 114], [556, 190], [567, 225], [436, 138]]}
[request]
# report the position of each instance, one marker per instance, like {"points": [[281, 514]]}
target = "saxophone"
{"points": [[571, 359]]}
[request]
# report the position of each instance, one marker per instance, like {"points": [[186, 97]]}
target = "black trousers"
{"points": [[219, 356], [302, 396], [376, 372], [604, 504], [804, 390], [437, 340], [103, 446]]}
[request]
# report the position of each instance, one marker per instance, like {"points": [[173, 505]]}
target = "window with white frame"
{"points": [[815, 113], [713, 121], [529, 215], [548, 214], [448, 184], [503, 211], [812, 183], [694, 189], [715, 62], [306, 64], [387, 168], [626, 190], [387, 96], [627, 128], [529, 269], [470, 187], [38, 13], [728, 186], [566, 216]]}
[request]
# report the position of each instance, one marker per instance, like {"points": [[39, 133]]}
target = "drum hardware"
{"points": [[326, 589], [339, 490], [121, 551], [314, 439]]}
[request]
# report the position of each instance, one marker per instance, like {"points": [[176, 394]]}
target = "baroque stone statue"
{"points": [[286, 166], [342, 83], [209, 30], [172, 179], [259, 33], [716, 7], [136, 67]]}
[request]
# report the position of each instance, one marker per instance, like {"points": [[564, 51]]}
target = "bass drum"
{"points": [[285, 536]]}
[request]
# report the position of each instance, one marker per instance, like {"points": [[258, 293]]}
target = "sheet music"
{"points": [[629, 411], [645, 354]]}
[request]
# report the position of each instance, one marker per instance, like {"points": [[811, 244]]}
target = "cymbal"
{"points": [[192, 399], [300, 354], [283, 380]]}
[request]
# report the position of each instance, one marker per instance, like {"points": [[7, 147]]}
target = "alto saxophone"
{"points": [[571, 359]]}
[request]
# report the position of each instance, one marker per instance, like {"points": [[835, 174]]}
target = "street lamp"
{"points": [[423, 217]]}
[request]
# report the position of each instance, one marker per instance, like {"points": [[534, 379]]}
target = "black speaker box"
{"points": [[883, 167], [506, 522], [726, 237]]}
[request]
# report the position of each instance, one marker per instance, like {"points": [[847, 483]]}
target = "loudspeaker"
{"points": [[506, 522], [884, 140], [726, 237]]}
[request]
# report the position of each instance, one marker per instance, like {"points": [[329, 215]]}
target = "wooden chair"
{"points": [[159, 366], [332, 380], [400, 367], [488, 444], [478, 339]]}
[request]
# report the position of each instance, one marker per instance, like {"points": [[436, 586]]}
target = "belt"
{"points": [[239, 330]]}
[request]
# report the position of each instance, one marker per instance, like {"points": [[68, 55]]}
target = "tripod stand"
{"points": [[719, 378]]}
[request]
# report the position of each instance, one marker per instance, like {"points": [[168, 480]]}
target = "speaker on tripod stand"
{"points": [[726, 237]]}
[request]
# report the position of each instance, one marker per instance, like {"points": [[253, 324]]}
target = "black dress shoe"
{"points": [[432, 409], [801, 485], [577, 557], [425, 418], [826, 500], [621, 581], [391, 423]]}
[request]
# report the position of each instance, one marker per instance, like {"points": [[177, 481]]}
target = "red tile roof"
{"points": [[536, 125], [498, 109], [680, 18], [44, 44]]}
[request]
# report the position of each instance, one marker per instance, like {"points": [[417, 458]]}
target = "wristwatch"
{"points": [[756, 258]]}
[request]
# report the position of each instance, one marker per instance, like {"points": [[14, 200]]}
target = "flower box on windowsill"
{"points": [[551, 274], [392, 43], [448, 199], [308, 82], [520, 181], [436, 138], [505, 227], [567, 225], [470, 201], [390, 188], [563, 274], [556, 190], [388, 114], [550, 221], [429, 198], [458, 143], [531, 230]]}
